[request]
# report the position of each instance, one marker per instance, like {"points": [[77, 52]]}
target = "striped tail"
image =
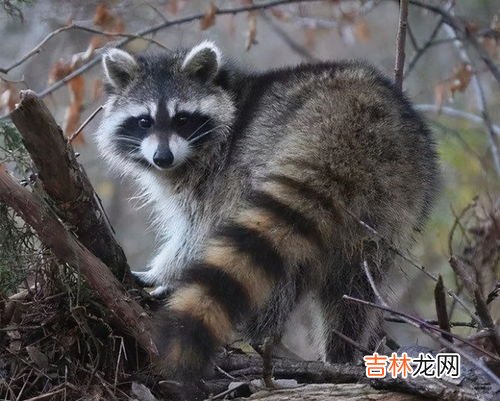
{"points": [[242, 263]]}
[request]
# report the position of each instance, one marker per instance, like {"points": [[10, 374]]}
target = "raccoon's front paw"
{"points": [[143, 278], [185, 347]]}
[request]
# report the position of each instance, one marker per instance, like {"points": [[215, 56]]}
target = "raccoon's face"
{"points": [[165, 109]]}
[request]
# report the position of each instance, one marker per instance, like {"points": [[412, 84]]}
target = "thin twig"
{"points": [[372, 283], [349, 340], [292, 44], [459, 26], [465, 272], [267, 365], [441, 311], [131, 36], [452, 32], [451, 112], [227, 392], [434, 322], [395, 250], [421, 323], [37, 49], [422, 49], [427, 329], [400, 44], [84, 124], [164, 25]]}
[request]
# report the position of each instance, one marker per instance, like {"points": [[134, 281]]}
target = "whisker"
{"points": [[205, 134], [128, 139], [197, 129]]}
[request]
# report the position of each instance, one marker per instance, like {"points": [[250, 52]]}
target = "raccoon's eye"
{"points": [[145, 122], [180, 119]]}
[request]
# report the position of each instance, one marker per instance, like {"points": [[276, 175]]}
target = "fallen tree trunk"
{"points": [[65, 181], [248, 367], [336, 392], [51, 231]]}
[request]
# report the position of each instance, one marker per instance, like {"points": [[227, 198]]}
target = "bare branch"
{"points": [[247, 367], [441, 311], [400, 44], [65, 181], [449, 111], [292, 44], [434, 322], [453, 32], [463, 270], [428, 329], [422, 49], [164, 25], [37, 49], [395, 250], [130, 315], [85, 123], [459, 27], [425, 327]]}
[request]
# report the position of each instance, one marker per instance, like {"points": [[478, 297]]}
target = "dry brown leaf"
{"points": [[208, 19], [361, 30], [72, 121], [231, 25], [459, 81], [441, 93], [77, 89], [471, 27], [59, 70], [251, 31], [72, 116], [107, 20], [310, 37], [461, 78], [278, 13], [97, 89], [9, 96], [492, 46], [103, 16], [174, 6]]}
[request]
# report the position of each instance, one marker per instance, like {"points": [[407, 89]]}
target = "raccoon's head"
{"points": [[164, 110]]}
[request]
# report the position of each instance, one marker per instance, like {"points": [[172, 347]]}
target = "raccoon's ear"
{"points": [[119, 67], [202, 62]]}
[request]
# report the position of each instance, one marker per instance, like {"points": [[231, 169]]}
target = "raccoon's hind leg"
{"points": [[255, 252], [358, 322]]}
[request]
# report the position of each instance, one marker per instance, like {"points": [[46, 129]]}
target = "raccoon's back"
{"points": [[344, 132]]}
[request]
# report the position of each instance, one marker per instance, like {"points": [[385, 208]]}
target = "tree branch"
{"points": [[51, 231], [449, 111], [247, 367], [458, 26], [65, 181], [430, 329], [400, 44], [155, 28]]}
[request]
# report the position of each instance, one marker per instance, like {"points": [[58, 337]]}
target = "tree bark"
{"points": [[65, 181], [51, 231], [333, 392]]}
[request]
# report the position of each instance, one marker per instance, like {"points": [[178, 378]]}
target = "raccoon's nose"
{"points": [[163, 158]]}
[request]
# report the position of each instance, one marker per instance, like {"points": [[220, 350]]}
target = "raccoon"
{"points": [[260, 183]]}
